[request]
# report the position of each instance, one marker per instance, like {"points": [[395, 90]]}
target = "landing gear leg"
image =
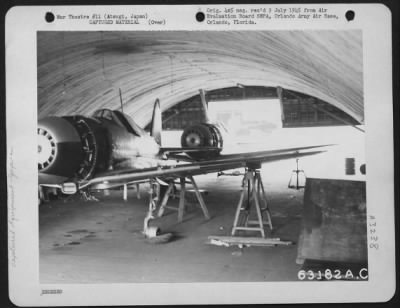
{"points": [[87, 196], [154, 193]]}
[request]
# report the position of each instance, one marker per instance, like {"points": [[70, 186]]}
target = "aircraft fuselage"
{"points": [[75, 148]]}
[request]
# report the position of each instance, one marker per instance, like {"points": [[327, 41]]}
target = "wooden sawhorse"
{"points": [[181, 207], [252, 186]]}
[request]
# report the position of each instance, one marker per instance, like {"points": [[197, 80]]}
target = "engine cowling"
{"points": [[203, 135], [68, 148], [59, 147]]}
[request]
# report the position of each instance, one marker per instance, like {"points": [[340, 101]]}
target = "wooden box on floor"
{"points": [[334, 221]]}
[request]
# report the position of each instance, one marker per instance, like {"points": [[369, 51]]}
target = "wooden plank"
{"points": [[248, 241], [249, 228]]}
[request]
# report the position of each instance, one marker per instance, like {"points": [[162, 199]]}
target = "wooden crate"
{"points": [[334, 224]]}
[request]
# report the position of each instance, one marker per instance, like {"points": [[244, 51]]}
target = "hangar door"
{"points": [[248, 120]]}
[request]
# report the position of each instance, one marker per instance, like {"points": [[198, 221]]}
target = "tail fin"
{"points": [[156, 122]]}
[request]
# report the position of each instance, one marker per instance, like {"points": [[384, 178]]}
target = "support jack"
{"points": [[298, 178], [253, 188]]}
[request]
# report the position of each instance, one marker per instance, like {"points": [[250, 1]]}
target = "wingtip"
{"points": [[326, 145]]}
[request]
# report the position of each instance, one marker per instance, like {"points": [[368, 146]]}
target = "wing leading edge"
{"points": [[222, 163]]}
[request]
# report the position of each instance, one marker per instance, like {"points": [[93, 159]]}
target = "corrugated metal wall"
{"points": [[79, 72]]}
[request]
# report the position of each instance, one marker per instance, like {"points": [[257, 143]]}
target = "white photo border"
{"points": [[22, 23]]}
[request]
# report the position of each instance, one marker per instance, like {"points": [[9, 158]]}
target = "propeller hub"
{"points": [[193, 140]]}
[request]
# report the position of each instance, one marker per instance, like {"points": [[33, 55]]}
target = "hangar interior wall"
{"points": [[297, 111]]}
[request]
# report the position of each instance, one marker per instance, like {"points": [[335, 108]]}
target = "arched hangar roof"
{"points": [[79, 72]]}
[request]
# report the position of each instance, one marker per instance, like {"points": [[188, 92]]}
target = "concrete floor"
{"points": [[101, 242]]}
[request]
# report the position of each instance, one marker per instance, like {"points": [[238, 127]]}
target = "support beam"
{"points": [[125, 197], [205, 104], [165, 199], [181, 208], [279, 92], [138, 191], [200, 198]]}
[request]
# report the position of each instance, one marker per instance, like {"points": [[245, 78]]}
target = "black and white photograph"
{"points": [[184, 157], [242, 153]]}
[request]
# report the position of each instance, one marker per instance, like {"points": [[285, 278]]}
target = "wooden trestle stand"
{"points": [[181, 207], [252, 186]]}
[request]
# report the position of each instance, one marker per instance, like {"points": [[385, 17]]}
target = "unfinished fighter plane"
{"points": [[108, 149]]}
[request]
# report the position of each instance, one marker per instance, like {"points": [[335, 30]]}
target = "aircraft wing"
{"points": [[168, 150], [221, 163], [173, 152]]}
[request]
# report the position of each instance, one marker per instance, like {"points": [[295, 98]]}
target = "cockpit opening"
{"points": [[120, 119]]}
